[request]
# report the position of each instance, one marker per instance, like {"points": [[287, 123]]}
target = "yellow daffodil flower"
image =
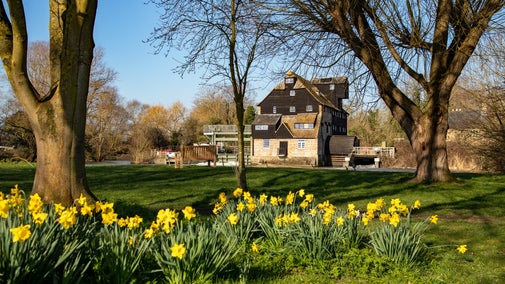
{"points": [[35, 203], [394, 219], [39, 217], [254, 248], [462, 249], [340, 221], [240, 206], [417, 204], [4, 208], [233, 219], [290, 198], [178, 250], [434, 219], [21, 233], [238, 192], [68, 218], [301, 192], [189, 212]]}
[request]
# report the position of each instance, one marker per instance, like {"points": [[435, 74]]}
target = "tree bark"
{"points": [[428, 141], [58, 118]]}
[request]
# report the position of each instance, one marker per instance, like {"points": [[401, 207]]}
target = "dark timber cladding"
{"points": [[296, 119]]}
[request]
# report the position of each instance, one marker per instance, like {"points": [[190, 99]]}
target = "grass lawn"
{"points": [[471, 211]]}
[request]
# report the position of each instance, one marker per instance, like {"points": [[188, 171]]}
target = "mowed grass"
{"points": [[471, 210]]}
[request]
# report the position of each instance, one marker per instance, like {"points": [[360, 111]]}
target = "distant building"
{"points": [[303, 122]]}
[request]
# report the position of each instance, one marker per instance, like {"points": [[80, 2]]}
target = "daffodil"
{"points": [[251, 207], [39, 217], [134, 222], [301, 192], [263, 199], [21, 233], [394, 219], [35, 203], [149, 233], [4, 208], [189, 212], [274, 200], [233, 219], [365, 220], [417, 204], [340, 221], [238, 192], [462, 248], [58, 208], [434, 219], [178, 250], [290, 198], [81, 200], [86, 209], [222, 197], [109, 218], [304, 204], [68, 218], [254, 247], [309, 197], [240, 206]]}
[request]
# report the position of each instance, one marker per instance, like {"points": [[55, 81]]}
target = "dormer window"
{"points": [[292, 93], [290, 80]]}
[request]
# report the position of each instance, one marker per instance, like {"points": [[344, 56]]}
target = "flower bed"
{"points": [[90, 242]]}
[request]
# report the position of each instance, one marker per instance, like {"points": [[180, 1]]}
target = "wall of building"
{"points": [[306, 156]]}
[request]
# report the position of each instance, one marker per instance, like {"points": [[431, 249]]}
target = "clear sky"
{"points": [[121, 26]]}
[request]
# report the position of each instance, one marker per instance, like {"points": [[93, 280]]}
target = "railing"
{"points": [[374, 151]]}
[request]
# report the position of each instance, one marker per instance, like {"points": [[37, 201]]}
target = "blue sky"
{"points": [[121, 27]]}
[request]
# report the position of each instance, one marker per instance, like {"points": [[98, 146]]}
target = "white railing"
{"points": [[372, 151]]}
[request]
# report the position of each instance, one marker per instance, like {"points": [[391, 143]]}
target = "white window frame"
{"points": [[292, 109], [261, 127], [309, 108], [274, 109], [290, 80], [301, 144], [332, 87], [292, 93]]}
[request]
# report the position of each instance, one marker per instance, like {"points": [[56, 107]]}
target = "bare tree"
{"points": [[227, 37], [429, 41], [106, 125], [57, 117]]}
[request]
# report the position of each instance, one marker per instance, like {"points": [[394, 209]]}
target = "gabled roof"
{"points": [[310, 118], [267, 119], [301, 83]]}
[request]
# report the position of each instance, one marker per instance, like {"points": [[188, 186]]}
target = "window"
{"points": [[292, 109], [290, 80], [304, 126], [292, 93], [332, 87], [308, 108], [274, 109], [261, 127], [301, 144], [266, 143]]}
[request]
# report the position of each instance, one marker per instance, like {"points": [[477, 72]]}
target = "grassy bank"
{"points": [[471, 210]]}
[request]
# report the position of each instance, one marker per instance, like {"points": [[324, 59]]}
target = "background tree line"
{"points": [[116, 128]]}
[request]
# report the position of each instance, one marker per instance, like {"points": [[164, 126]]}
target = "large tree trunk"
{"points": [[58, 118], [428, 141], [60, 175]]}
